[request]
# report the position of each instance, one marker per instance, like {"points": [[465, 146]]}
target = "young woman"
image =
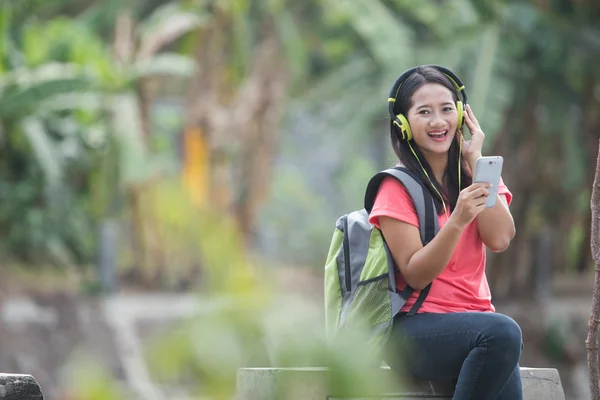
{"points": [[455, 334]]}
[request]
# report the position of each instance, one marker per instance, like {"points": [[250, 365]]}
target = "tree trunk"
{"points": [[591, 343], [204, 178], [145, 102], [123, 50], [234, 119], [258, 110], [123, 45]]}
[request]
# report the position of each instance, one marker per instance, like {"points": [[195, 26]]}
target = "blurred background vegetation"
{"points": [[131, 129]]}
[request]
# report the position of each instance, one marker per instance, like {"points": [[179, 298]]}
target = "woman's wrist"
{"points": [[457, 226], [472, 160]]}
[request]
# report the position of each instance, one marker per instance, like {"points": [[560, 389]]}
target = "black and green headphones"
{"points": [[401, 122], [402, 127]]}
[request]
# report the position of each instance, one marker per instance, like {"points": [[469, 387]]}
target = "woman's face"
{"points": [[433, 118]]}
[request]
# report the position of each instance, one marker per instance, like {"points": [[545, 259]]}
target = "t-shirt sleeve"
{"points": [[502, 189], [393, 201]]}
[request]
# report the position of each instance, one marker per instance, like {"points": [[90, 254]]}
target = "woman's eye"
{"points": [[448, 109], [424, 112]]}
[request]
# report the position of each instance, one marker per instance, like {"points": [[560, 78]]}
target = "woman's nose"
{"points": [[436, 120]]}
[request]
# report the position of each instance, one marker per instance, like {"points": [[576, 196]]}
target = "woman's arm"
{"points": [[496, 226], [418, 264]]}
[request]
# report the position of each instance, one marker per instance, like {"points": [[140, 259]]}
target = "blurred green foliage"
{"points": [[66, 104], [80, 143], [247, 322]]}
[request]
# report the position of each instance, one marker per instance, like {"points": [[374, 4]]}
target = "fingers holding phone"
{"points": [[471, 202]]}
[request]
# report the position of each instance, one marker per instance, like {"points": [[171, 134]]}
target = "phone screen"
{"points": [[489, 169]]}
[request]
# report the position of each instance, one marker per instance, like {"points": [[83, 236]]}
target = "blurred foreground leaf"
{"points": [[246, 322]]}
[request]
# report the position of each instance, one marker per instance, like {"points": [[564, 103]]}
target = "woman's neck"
{"points": [[438, 164]]}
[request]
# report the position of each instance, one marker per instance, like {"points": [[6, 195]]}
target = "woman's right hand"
{"points": [[471, 201]]}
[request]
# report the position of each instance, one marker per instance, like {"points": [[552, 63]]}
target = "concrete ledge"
{"points": [[311, 384], [19, 387]]}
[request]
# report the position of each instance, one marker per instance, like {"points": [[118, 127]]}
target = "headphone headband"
{"points": [[401, 125], [460, 87]]}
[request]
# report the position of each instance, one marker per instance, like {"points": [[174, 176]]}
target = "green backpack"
{"points": [[360, 285]]}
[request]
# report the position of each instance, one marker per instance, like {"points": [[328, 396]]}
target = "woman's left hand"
{"points": [[471, 149]]}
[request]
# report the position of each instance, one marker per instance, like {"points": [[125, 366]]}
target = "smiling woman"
{"points": [[472, 345], [433, 120]]}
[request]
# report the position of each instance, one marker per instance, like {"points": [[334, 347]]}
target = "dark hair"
{"points": [[403, 103]]}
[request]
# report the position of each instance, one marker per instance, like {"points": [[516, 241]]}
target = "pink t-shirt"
{"points": [[462, 285]]}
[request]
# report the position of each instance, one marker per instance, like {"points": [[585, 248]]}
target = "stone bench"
{"points": [[19, 387], [310, 384]]}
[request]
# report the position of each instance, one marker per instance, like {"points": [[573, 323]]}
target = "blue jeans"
{"points": [[479, 351]]}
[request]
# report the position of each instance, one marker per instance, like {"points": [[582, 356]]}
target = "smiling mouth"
{"points": [[438, 134]]}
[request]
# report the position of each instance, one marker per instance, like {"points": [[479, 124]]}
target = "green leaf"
{"points": [[389, 41], [84, 100], [5, 39], [23, 90], [484, 66], [243, 36], [128, 131], [333, 85], [36, 44], [293, 45], [46, 155], [170, 64], [167, 24], [101, 14]]}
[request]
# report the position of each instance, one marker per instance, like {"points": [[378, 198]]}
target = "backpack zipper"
{"points": [[347, 254]]}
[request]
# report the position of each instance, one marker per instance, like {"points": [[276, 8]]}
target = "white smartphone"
{"points": [[489, 169]]}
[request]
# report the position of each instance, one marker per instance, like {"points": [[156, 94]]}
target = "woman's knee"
{"points": [[505, 334]]}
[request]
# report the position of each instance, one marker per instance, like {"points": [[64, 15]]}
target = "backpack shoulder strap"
{"points": [[422, 199], [426, 211]]}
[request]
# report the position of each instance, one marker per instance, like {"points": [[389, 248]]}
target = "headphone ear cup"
{"points": [[461, 113], [399, 128], [402, 123]]}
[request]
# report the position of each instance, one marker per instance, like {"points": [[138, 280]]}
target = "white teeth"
{"points": [[438, 134]]}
